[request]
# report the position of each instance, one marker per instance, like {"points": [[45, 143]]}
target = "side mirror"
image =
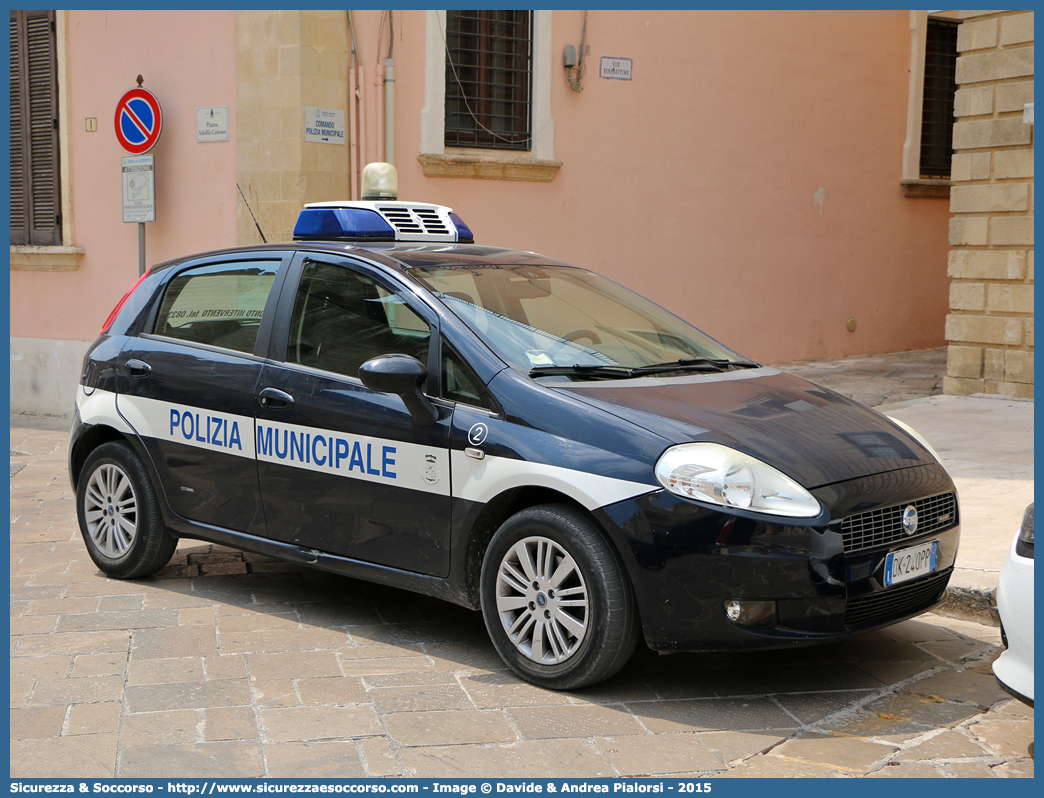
{"points": [[402, 375]]}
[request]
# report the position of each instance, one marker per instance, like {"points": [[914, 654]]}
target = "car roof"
{"points": [[395, 255]]}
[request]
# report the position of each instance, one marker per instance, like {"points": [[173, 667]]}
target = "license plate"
{"points": [[911, 563]]}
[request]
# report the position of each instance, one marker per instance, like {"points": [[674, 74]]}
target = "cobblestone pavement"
{"points": [[234, 665]]}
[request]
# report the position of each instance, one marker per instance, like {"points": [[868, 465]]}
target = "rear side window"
{"points": [[342, 319], [220, 304]]}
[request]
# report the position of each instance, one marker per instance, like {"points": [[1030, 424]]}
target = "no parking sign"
{"points": [[139, 121]]}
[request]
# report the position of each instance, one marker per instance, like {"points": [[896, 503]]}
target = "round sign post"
{"points": [[139, 122]]}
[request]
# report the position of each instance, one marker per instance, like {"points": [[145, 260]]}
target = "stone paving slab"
{"points": [[288, 672]]}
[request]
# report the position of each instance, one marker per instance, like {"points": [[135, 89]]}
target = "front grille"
{"points": [[415, 221], [895, 602], [885, 526]]}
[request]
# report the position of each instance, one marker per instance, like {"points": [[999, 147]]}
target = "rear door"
{"points": [[187, 386], [344, 469]]}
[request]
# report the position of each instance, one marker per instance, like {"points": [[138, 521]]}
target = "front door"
{"points": [[343, 469]]}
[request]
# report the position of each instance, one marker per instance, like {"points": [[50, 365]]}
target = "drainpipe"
{"points": [[389, 110], [360, 118], [353, 116], [378, 102], [353, 137]]}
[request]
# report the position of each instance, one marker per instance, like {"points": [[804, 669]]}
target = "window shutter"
{"points": [[35, 182], [19, 179]]}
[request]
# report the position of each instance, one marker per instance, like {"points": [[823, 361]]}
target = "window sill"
{"points": [[46, 259], [489, 167], [918, 188]]}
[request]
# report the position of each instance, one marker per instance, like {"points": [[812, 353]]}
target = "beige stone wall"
{"points": [[990, 325], [286, 60]]}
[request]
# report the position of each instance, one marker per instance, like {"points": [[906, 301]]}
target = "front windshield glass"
{"points": [[539, 317]]}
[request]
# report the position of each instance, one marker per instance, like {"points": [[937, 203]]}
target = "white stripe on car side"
{"points": [[193, 426], [380, 460], [370, 459], [99, 407], [482, 480]]}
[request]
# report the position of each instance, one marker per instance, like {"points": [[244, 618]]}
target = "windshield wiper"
{"points": [[622, 372], [581, 371], [694, 364]]}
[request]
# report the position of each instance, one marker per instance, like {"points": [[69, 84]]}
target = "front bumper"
{"points": [[1014, 667], [687, 561]]}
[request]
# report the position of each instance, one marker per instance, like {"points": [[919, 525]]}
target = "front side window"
{"points": [[460, 383], [219, 305], [342, 319], [488, 79], [35, 181]]}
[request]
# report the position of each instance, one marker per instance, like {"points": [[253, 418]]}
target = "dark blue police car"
{"points": [[385, 399]]}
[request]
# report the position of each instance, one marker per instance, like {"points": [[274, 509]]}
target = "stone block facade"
{"points": [[990, 326], [285, 61]]}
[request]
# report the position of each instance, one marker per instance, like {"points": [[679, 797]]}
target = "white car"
{"points": [[1014, 668]]}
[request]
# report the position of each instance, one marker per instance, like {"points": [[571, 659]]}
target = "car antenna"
{"points": [[265, 240]]}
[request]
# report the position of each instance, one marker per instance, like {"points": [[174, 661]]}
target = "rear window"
{"points": [[219, 305]]}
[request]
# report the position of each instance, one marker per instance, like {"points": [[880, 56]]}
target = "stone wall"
{"points": [[286, 60], [990, 325]]}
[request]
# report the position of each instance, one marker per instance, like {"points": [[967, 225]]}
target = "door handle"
{"points": [[138, 368], [274, 399]]}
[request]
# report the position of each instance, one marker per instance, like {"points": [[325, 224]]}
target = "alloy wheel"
{"points": [[111, 510], [542, 600]]}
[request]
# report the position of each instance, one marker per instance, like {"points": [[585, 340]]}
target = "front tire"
{"points": [[119, 514], [557, 605]]}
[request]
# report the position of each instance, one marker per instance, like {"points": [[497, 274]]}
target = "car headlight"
{"points": [[711, 472], [1026, 531], [1024, 547]]}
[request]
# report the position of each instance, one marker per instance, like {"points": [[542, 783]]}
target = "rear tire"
{"points": [[557, 604], [119, 514]]}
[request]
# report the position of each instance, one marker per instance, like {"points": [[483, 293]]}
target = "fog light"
{"points": [[751, 613]]}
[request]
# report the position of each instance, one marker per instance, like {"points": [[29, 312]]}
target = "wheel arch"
{"points": [[498, 510], [94, 436]]}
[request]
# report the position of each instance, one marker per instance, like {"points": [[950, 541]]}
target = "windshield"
{"points": [[541, 317]]}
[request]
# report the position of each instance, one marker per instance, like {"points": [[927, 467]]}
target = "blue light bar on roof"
{"points": [[463, 231], [381, 220], [329, 223]]}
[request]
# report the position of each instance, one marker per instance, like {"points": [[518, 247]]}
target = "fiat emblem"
{"points": [[910, 519]]}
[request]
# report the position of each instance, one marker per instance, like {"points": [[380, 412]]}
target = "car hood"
{"points": [[808, 432]]}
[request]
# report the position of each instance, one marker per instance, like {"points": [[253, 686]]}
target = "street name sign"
{"points": [[212, 123]]}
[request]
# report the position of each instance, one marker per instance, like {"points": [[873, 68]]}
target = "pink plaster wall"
{"points": [[695, 182], [188, 61]]}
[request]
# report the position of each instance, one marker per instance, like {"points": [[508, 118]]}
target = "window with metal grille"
{"points": [[35, 185], [940, 67], [488, 79]]}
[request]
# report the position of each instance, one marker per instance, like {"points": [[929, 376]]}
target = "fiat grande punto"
{"points": [[385, 399]]}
